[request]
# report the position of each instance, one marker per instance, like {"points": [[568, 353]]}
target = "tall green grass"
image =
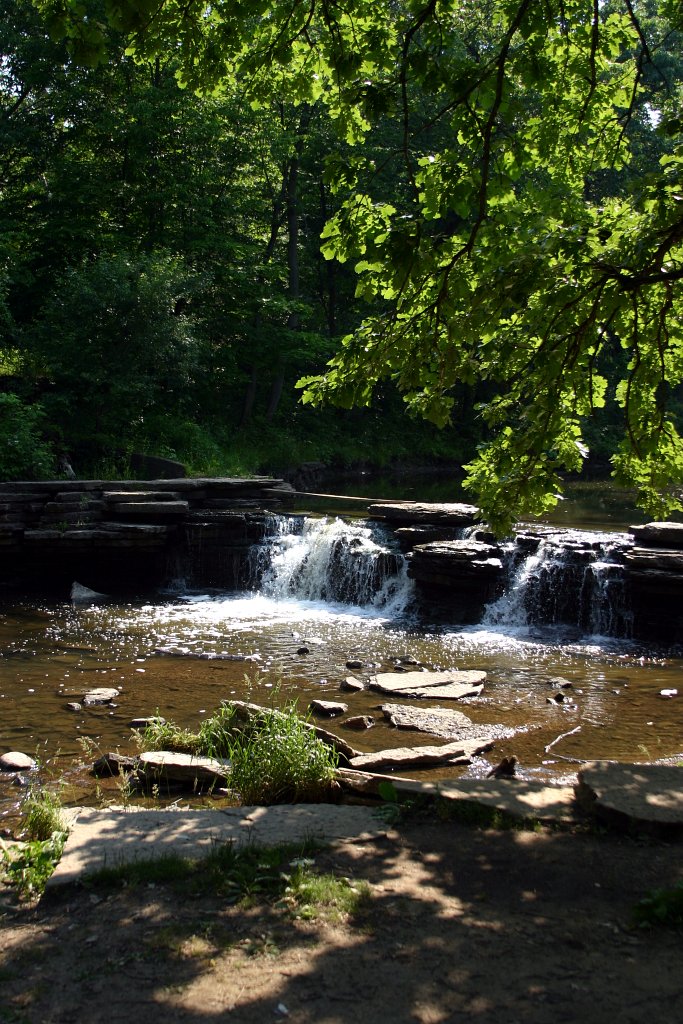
{"points": [[275, 756]]}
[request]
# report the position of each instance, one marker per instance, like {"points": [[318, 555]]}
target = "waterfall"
{"points": [[332, 560], [567, 578]]}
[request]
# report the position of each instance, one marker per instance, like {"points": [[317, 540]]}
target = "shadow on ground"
{"points": [[462, 925]]}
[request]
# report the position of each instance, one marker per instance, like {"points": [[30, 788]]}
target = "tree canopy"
{"points": [[531, 245]]}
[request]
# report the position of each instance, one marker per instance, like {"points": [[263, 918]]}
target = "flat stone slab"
{"points": [[443, 722], [662, 535], [520, 798], [640, 796], [461, 752], [450, 514], [186, 768], [451, 685], [108, 838]]}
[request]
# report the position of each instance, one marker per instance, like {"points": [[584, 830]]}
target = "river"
{"points": [[182, 651]]}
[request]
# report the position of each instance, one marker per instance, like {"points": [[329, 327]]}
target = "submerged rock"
{"points": [[443, 722], [359, 722]]}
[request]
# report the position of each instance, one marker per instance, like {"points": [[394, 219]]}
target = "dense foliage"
{"points": [[503, 176]]}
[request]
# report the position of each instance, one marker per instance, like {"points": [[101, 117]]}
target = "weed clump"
{"points": [[274, 755], [28, 866], [661, 907]]}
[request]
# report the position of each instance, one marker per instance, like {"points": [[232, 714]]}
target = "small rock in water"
{"points": [[359, 722], [142, 723], [557, 698], [84, 595], [328, 708], [113, 764], [15, 761], [100, 695], [505, 769], [354, 663], [303, 650], [560, 682], [668, 694], [73, 705], [351, 684]]}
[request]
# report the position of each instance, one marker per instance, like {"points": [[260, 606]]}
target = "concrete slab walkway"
{"points": [[108, 838]]}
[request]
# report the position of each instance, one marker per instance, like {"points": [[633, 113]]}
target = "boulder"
{"points": [[113, 763], [351, 685], [451, 685], [81, 595], [15, 761]]}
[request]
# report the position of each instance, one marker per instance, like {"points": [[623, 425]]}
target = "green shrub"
{"points": [[160, 735], [24, 455]]}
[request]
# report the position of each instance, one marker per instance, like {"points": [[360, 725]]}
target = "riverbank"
{"points": [[458, 924]]}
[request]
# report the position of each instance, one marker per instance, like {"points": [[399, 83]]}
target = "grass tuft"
{"points": [[277, 758], [661, 907], [284, 875]]}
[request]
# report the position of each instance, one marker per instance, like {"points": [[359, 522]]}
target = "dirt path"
{"points": [[462, 925]]}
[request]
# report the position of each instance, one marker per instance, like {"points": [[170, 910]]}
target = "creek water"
{"points": [[325, 591]]}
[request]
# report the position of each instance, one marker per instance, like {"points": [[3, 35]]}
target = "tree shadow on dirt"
{"points": [[461, 925]]}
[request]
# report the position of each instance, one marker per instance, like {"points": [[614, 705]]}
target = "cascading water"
{"points": [[570, 578], [332, 560]]}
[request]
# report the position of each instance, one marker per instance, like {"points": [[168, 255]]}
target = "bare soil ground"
{"points": [[490, 927]]}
